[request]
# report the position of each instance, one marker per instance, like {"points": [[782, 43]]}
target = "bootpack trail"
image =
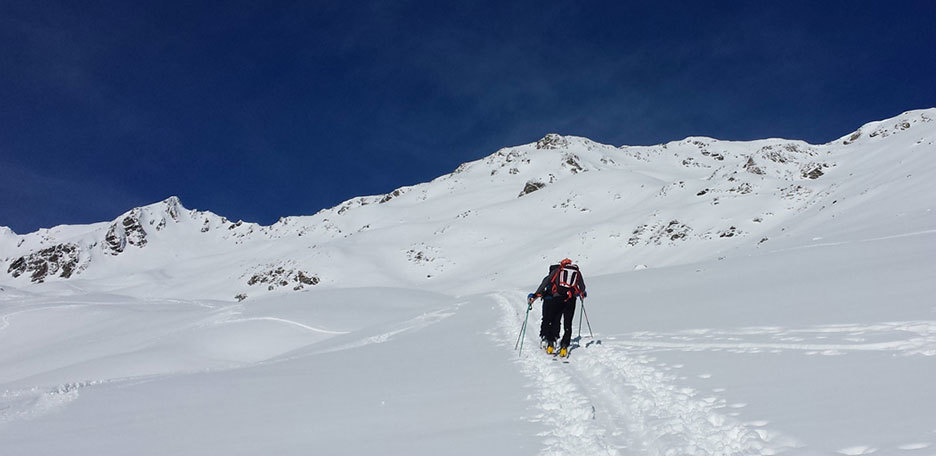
{"points": [[610, 401]]}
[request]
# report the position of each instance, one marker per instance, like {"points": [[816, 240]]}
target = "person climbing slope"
{"points": [[559, 290]]}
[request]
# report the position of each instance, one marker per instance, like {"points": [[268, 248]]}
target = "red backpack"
{"points": [[565, 279]]}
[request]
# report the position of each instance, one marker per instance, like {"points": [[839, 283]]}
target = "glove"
{"points": [[584, 294], [530, 298]]}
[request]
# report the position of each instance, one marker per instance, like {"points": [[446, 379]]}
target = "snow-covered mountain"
{"points": [[613, 208], [755, 297]]}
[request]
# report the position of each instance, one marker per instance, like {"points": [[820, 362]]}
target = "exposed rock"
{"points": [[60, 260], [675, 230], [391, 195], [794, 192], [114, 241], [133, 229], [281, 277], [357, 202], [552, 141], [418, 256], [815, 173], [304, 279], [672, 231], [742, 189], [635, 237], [127, 230], [462, 168], [752, 167], [572, 161], [530, 187], [172, 207], [730, 232], [854, 137]]}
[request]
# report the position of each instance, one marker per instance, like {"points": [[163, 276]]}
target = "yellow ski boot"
{"points": [[550, 349], [563, 352]]}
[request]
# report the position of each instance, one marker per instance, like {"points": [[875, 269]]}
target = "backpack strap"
{"points": [[554, 280]]}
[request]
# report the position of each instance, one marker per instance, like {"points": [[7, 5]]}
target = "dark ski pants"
{"points": [[557, 308]]}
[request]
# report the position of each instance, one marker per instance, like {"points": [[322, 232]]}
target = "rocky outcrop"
{"points": [[751, 167], [279, 276], [391, 195], [59, 260], [572, 162], [124, 231], [129, 229], [530, 187], [660, 233], [552, 141], [814, 172]]}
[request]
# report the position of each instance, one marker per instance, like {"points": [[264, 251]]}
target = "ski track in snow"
{"points": [[286, 321], [859, 241], [905, 338], [568, 414], [608, 400]]}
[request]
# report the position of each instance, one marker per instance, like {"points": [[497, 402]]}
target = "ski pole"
{"points": [[523, 330], [584, 312], [580, 318]]}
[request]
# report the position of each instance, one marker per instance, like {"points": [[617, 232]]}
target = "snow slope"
{"points": [[756, 297]]}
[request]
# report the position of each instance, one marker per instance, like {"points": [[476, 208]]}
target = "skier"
{"points": [[559, 289]]}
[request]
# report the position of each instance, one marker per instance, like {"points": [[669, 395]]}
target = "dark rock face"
{"points": [[302, 278], [282, 277], [854, 137], [114, 242], [552, 141], [531, 187], [60, 260], [752, 167], [133, 229], [391, 195], [128, 230], [572, 161], [730, 232], [815, 173]]}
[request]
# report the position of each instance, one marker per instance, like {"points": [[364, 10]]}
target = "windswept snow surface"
{"points": [[745, 298]]}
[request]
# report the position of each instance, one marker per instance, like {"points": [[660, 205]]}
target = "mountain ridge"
{"points": [[646, 199]]}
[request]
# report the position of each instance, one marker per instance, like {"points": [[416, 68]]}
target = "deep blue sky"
{"points": [[257, 112]]}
